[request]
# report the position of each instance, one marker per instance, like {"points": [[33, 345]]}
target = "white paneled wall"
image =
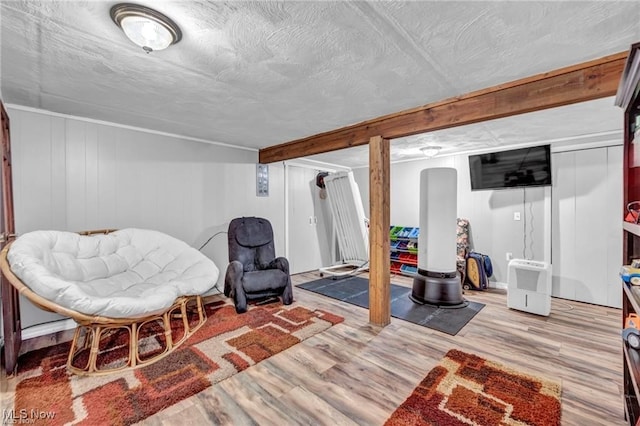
{"points": [[587, 242], [78, 175], [74, 174]]}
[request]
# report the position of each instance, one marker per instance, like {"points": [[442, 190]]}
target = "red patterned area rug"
{"points": [[225, 345], [465, 389]]}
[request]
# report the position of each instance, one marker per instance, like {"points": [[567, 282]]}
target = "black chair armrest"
{"points": [[234, 274], [279, 263]]}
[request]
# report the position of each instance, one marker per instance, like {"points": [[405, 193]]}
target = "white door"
{"points": [[304, 225], [586, 235]]}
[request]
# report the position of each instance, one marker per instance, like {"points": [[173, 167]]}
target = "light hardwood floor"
{"points": [[356, 373]]}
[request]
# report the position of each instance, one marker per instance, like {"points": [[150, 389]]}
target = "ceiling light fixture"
{"points": [[430, 151], [146, 27]]}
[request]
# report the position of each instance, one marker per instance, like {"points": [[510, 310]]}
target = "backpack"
{"points": [[478, 271], [488, 267]]}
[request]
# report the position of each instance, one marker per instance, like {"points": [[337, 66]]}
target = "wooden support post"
{"points": [[379, 208]]}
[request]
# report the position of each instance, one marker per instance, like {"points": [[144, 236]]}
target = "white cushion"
{"points": [[125, 274]]}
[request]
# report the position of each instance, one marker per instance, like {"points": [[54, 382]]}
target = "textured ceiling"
{"points": [[256, 74]]}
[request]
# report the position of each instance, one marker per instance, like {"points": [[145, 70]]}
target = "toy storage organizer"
{"points": [[404, 250]]}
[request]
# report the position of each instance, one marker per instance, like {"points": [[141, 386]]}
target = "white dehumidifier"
{"points": [[529, 286]]}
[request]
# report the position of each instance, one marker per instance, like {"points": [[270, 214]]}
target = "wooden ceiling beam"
{"points": [[578, 83]]}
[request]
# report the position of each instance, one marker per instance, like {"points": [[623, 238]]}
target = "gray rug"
{"points": [[355, 290]]}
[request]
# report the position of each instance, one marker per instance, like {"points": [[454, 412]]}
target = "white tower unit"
{"points": [[437, 281], [438, 220], [529, 286]]}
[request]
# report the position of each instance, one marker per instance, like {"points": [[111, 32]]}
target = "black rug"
{"points": [[355, 290]]}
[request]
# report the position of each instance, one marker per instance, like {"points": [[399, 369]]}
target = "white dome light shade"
{"points": [[145, 27], [430, 151], [146, 33]]}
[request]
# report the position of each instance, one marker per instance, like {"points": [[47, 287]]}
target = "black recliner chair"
{"points": [[254, 272]]}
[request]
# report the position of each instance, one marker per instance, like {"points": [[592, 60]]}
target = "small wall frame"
{"points": [[262, 180]]}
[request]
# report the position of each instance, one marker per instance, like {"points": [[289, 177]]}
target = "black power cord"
{"points": [[207, 242], [210, 238]]}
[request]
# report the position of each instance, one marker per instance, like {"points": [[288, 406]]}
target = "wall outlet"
{"points": [[509, 256], [516, 215]]}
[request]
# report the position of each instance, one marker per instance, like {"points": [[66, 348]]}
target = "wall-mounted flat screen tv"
{"points": [[520, 167]]}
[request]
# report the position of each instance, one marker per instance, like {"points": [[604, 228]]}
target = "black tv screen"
{"points": [[511, 169]]}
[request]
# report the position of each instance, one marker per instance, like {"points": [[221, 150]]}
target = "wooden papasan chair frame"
{"points": [[92, 329]]}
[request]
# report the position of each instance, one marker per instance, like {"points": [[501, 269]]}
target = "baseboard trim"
{"points": [[48, 328], [498, 285]]}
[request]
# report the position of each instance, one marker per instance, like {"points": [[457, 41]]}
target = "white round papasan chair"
{"points": [[109, 280]]}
